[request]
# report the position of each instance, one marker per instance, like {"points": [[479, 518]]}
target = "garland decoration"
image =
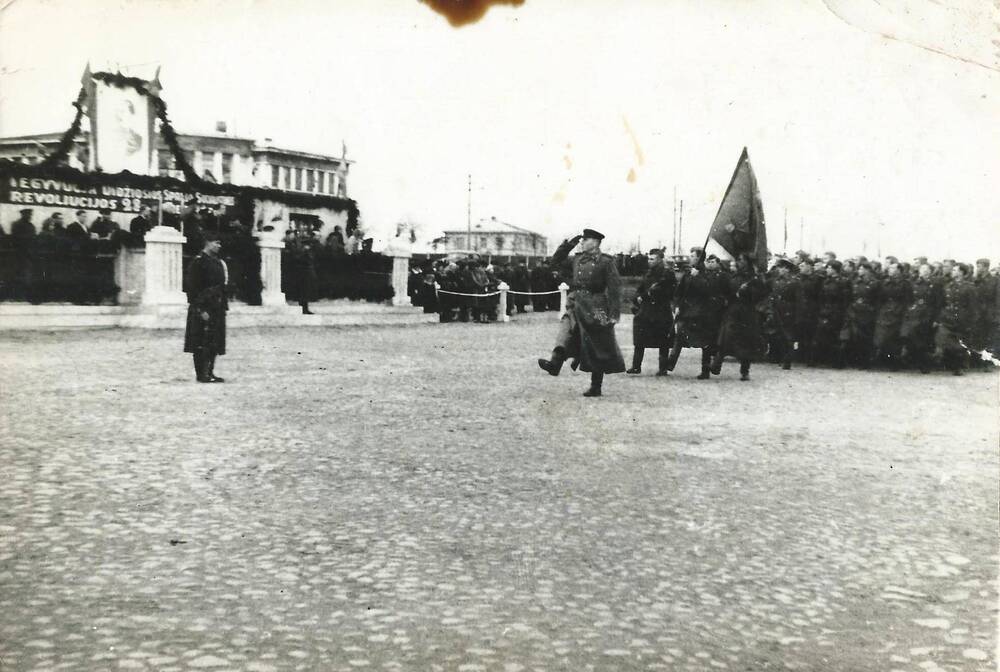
{"points": [[66, 141]]}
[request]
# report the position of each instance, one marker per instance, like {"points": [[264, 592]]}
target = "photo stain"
{"points": [[463, 12]]}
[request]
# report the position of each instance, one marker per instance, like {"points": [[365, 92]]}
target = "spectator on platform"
{"points": [[335, 242], [353, 243], [53, 225], [22, 230], [77, 229], [140, 224], [103, 227]]}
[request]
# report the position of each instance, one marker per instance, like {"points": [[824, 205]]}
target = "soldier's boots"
{"points": [[554, 365], [671, 361], [596, 379]]}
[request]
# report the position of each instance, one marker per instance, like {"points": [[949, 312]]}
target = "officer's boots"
{"points": [[596, 379], [706, 362], [554, 365]]}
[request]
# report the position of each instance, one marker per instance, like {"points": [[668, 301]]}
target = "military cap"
{"points": [[865, 264], [656, 252], [983, 262], [835, 265], [26, 211], [784, 263], [832, 255], [920, 260], [590, 233], [712, 257], [891, 260], [104, 211], [697, 249]]}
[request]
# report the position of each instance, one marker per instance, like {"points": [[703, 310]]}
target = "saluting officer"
{"points": [[587, 330]]}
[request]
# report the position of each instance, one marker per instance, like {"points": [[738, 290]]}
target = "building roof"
{"points": [[493, 226]]}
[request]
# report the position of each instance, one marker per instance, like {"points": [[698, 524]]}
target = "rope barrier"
{"points": [[511, 291], [444, 291]]}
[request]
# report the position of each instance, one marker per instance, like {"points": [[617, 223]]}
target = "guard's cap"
{"points": [[590, 233]]}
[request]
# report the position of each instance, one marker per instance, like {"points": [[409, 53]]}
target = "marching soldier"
{"points": [[700, 301], [739, 334], [587, 331], [653, 325]]}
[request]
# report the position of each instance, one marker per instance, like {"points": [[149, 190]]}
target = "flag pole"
{"points": [[673, 228]]}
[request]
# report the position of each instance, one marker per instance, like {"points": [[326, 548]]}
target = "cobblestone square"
{"points": [[424, 498]]}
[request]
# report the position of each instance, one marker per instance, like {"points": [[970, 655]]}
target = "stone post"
{"points": [[563, 291], [164, 267], [130, 275], [400, 250], [503, 287], [270, 270]]}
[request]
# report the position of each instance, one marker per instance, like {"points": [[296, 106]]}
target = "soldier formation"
{"points": [[819, 311]]}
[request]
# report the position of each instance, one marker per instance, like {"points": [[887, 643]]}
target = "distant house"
{"points": [[494, 237]]}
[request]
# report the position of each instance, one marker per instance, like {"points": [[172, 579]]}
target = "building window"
{"points": [[275, 177], [227, 167], [310, 180]]}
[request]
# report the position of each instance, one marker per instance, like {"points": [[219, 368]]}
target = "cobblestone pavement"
{"points": [[424, 498]]}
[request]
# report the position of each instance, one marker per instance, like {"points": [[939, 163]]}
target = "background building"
{"points": [[494, 237], [218, 157]]}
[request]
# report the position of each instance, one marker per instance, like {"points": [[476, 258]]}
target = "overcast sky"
{"points": [[573, 113]]}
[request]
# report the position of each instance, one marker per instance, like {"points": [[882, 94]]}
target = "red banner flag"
{"points": [[739, 225]]}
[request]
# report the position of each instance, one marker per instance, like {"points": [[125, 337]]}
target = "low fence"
{"points": [[448, 300]]}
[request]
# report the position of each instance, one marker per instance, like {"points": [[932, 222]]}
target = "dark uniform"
{"points": [[587, 330], [859, 321], [987, 287], [700, 300], [205, 335], [955, 322], [783, 319], [917, 329], [740, 334], [653, 325], [894, 299], [806, 312], [541, 278], [833, 296]]}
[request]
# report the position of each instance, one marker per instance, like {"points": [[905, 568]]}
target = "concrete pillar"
{"points": [[325, 188], [130, 275], [236, 169], [198, 163], [317, 181], [264, 175], [154, 162], [217, 166], [563, 298], [282, 177], [164, 267], [503, 287], [270, 269], [400, 250]]}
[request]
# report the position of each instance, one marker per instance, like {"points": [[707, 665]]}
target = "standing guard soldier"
{"points": [[833, 296], [205, 284], [986, 300], [894, 298], [956, 319], [917, 330], [784, 290], [587, 330], [859, 322], [700, 302], [806, 308], [653, 325]]}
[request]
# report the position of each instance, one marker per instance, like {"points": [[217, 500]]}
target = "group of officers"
{"points": [[816, 311]]}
